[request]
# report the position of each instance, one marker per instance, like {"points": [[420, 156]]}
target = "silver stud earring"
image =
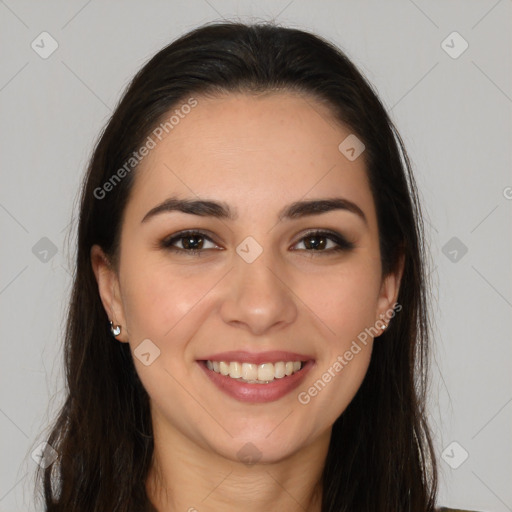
{"points": [[115, 329], [384, 325]]}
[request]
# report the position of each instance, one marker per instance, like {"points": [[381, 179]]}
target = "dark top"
{"points": [[445, 509]]}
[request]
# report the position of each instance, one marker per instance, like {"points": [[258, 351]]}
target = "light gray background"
{"points": [[455, 118]]}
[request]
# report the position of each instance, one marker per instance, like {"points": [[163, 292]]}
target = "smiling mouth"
{"points": [[255, 373]]}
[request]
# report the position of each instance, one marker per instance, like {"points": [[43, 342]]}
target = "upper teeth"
{"points": [[254, 373]]}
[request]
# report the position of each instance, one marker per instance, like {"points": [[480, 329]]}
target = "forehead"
{"points": [[251, 151]]}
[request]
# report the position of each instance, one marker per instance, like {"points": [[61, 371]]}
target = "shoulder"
{"points": [[446, 509]]}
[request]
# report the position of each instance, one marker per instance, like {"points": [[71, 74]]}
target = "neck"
{"points": [[188, 477]]}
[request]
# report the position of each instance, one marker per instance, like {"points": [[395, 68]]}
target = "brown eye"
{"points": [[325, 242], [192, 242], [316, 242], [188, 242]]}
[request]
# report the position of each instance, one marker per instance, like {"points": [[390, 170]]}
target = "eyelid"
{"points": [[342, 244], [166, 242], [341, 241]]}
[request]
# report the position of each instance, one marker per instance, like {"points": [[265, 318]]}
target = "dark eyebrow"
{"points": [[203, 208], [221, 210], [318, 206]]}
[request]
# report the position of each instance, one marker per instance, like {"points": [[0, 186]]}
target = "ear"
{"points": [[388, 295], [109, 289]]}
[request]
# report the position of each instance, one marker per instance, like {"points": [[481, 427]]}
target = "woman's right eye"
{"points": [[191, 242]]}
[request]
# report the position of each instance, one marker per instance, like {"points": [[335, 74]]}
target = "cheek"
{"points": [[162, 304], [344, 299], [346, 303], [157, 297]]}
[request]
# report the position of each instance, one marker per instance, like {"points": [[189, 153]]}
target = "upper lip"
{"points": [[273, 356]]}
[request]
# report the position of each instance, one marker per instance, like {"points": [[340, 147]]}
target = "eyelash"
{"points": [[342, 243]]}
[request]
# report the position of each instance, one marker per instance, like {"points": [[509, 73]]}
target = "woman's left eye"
{"points": [[324, 242]]}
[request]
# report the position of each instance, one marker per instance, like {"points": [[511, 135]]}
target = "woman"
{"points": [[248, 327]]}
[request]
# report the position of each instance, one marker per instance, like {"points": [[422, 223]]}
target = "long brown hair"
{"points": [[381, 456]]}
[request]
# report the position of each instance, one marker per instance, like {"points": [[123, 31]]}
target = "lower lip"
{"points": [[257, 393]]}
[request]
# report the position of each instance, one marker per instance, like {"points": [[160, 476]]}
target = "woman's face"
{"points": [[260, 288]]}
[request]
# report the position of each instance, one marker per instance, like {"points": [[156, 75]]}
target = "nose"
{"points": [[257, 297]]}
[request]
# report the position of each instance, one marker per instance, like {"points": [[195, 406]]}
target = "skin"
{"points": [[257, 153]]}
